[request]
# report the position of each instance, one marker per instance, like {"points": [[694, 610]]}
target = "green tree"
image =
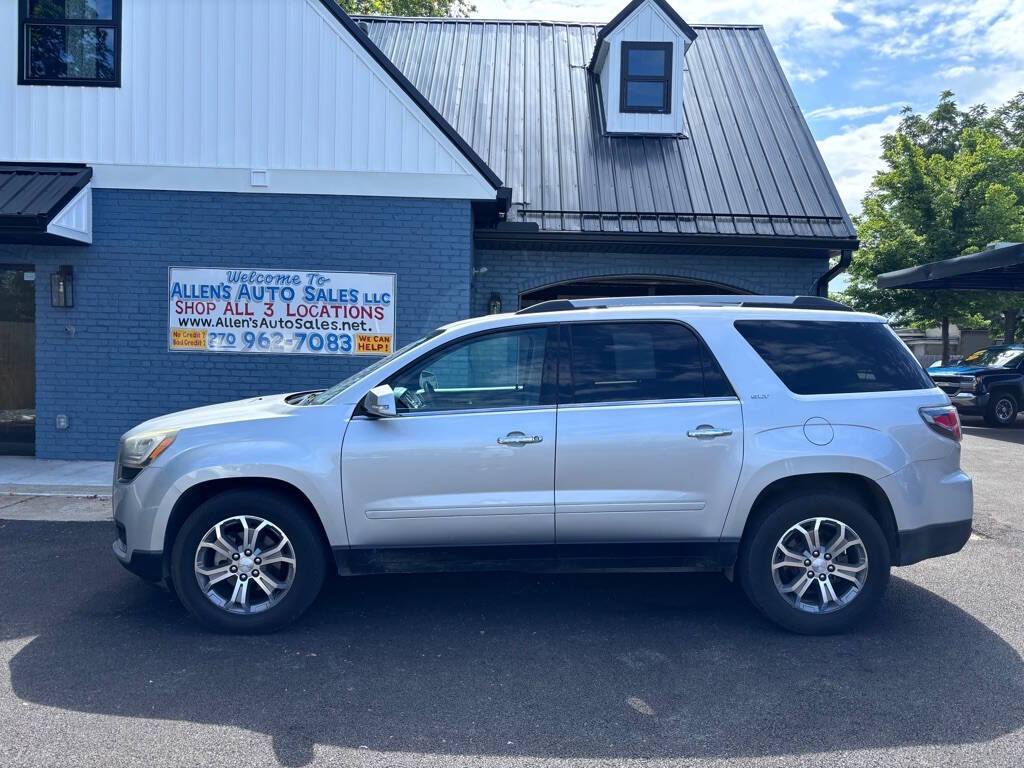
{"points": [[460, 8], [952, 182]]}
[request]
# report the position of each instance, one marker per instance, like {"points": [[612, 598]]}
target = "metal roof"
{"points": [[1000, 267], [521, 95], [31, 195]]}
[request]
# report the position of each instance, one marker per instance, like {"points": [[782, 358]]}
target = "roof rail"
{"points": [[749, 300]]}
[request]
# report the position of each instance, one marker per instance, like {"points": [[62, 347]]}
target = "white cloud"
{"points": [[801, 74], [853, 157], [959, 71], [852, 112]]}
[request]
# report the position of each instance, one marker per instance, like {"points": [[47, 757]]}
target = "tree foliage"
{"points": [[952, 182], [460, 8]]}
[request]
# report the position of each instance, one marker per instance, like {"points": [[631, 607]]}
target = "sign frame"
{"points": [[394, 304]]}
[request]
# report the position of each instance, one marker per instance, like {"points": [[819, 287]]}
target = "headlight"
{"points": [[139, 451], [968, 383]]}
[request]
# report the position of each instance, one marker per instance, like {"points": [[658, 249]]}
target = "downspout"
{"points": [[845, 257]]}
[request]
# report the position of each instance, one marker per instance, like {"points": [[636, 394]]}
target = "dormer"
{"points": [[638, 61]]}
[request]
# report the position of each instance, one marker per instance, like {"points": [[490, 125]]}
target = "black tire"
{"points": [[754, 567], [1002, 410], [306, 540]]}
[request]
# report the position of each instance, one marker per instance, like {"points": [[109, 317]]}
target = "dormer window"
{"points": [[646, 78]]}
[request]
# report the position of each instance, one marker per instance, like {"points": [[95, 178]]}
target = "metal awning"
{"points": [[1000, 267], [44, 203]]}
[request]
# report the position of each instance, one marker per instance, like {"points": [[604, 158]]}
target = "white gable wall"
{"points": [[213, 90], [646, 24]]}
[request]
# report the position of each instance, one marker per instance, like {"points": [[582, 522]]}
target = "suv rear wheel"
{"points": [[248, 561], [1002, 410], [815, 564]]}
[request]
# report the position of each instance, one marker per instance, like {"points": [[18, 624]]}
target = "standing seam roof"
{"points": [[520, 94]]}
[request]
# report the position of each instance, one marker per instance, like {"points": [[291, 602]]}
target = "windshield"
{"points": [[341, 386], [995, 357]]}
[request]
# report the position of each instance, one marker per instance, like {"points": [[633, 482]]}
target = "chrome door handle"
{"points": [[519, 438], [706, 431]]}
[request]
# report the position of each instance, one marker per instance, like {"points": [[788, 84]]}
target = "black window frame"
{"points": [[25, 23], [625, 77]]}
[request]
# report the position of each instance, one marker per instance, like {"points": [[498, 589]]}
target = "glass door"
{"points": [[17, 360]]}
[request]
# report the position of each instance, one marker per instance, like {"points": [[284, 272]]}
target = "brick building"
{"points": [[478, 166]]}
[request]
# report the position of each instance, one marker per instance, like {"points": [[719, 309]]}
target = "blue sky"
{"points": [[853, 65]]}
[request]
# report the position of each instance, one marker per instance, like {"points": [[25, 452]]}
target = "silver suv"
{"points": [[794, 445]]}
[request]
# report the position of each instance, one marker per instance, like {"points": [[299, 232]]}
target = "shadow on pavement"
{"points": [[973, 425], [601, 666]]}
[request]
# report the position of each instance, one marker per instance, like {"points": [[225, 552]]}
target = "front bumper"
{"points": [[134, 532], [968, 402], [933, 541], [147, 565]]}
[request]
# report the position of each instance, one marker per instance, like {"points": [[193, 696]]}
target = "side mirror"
{"points": [[380, 401]]}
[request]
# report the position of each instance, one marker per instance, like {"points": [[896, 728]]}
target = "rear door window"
{"points": [[814, 357], [616, 362]]}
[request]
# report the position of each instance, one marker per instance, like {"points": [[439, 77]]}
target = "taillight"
{"points": [[944, 420]]}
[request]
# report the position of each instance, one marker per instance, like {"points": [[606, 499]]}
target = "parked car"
{"points": [[938, 363], [798, 448], [989, 382]]}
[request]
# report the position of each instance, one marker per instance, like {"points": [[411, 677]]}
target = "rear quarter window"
{"points": [[814, 357]]}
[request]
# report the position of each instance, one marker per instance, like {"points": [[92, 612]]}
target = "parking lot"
{"points": [[102, 669]]}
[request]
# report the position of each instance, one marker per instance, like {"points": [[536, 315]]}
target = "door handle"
{"points": [[519, 438], [706, 432]]}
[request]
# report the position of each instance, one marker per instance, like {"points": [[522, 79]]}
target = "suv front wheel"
{"points": [[248, 561], [1002, 410], [816, 563]]}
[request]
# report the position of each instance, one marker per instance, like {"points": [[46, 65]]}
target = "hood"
{"points": [[958, 370], [251, 409]]}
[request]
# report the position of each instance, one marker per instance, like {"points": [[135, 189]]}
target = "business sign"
{"points": [[298, 312]]}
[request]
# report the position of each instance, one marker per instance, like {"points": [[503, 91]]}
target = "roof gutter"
{"points": [[527, 234], [845, 257]]}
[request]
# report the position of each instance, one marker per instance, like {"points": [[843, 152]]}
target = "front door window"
{"points": [[487, 372]]}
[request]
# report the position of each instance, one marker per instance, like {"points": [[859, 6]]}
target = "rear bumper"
{"points": [[933, 540]]}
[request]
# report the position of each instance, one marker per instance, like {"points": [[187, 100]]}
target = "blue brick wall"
{"points": [[105, 361], [509, 272]]}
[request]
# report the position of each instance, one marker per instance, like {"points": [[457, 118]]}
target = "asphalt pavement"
{"points": [[101, 669]]}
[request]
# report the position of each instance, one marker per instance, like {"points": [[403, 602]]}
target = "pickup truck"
{"points": [[989, 382]]}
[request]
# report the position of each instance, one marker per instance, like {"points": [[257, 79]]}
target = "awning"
{"points": [[1000, 267], [45, 203]]}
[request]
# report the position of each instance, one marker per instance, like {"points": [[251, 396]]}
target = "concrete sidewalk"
{"points": [[24, 475]]}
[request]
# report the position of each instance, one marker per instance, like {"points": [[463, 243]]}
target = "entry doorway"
{"points": [[17, 360], [623, 285]]}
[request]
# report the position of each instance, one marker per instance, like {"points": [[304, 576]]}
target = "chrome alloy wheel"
{"points": [[820, 565], [245, 564], [1004, 409]]}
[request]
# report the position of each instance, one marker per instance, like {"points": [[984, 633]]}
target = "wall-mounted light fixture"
{"points": [[494, 305], [62, 287]]}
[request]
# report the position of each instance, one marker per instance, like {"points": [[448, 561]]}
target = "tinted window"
{"points": [[634, 361], [497, 370], [645, 61], [821, 357], [640, 93], [715, 383]]}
